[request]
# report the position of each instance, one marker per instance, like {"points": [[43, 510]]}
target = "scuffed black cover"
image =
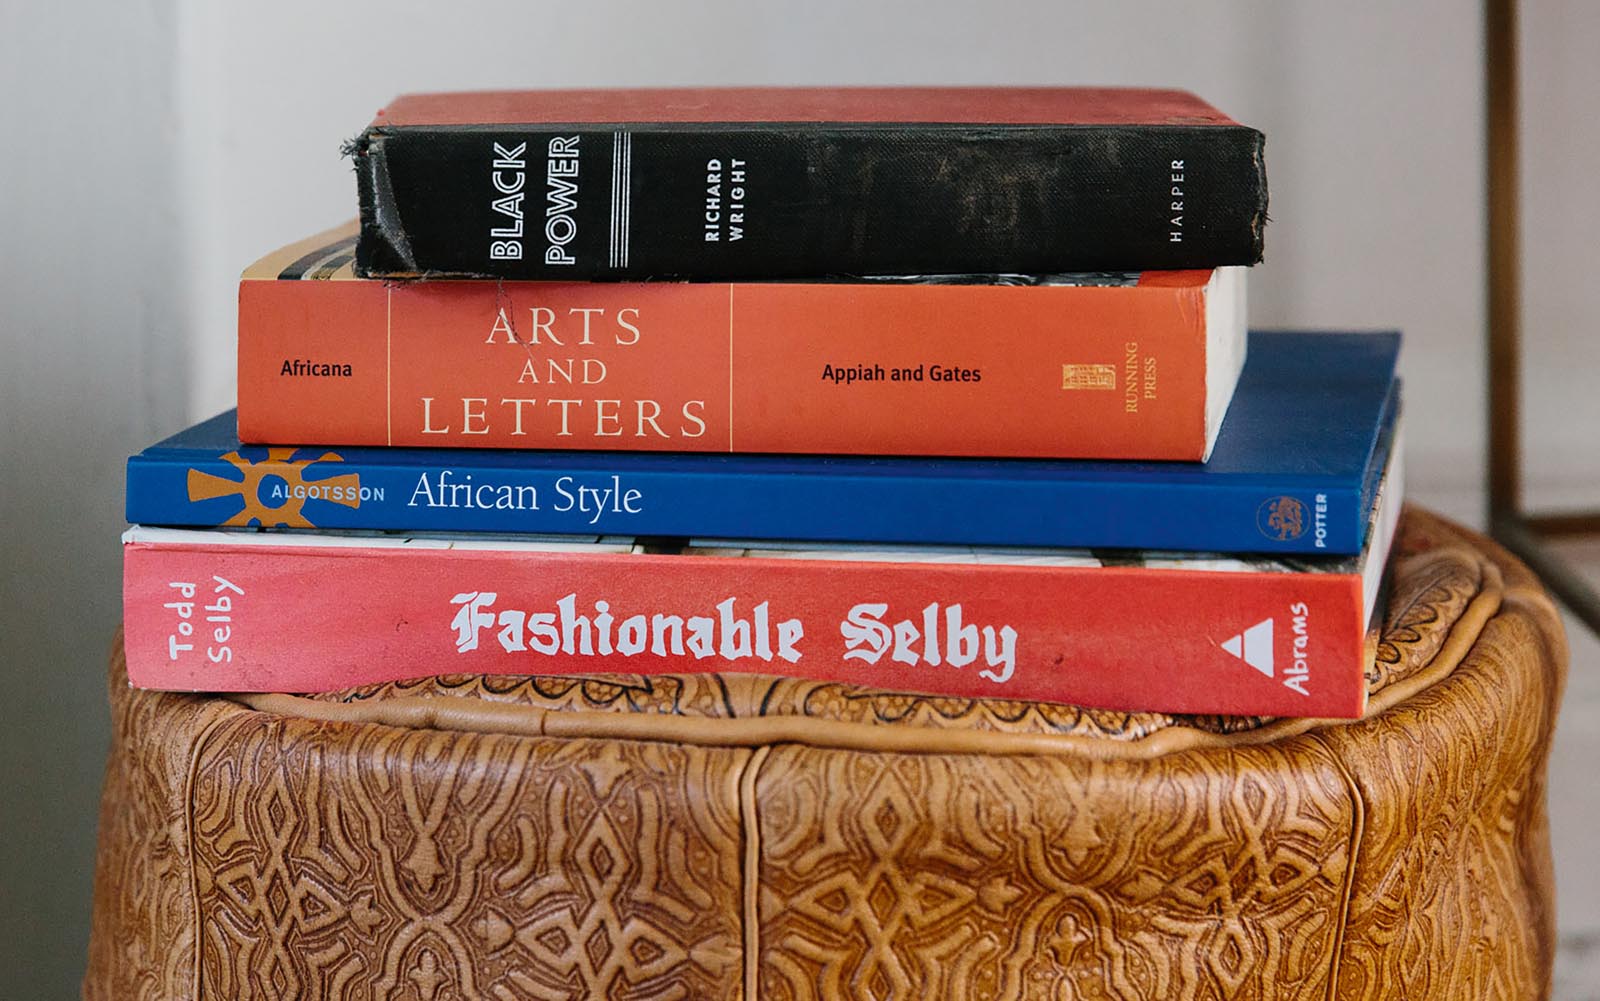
{"points": [[818, 200]]}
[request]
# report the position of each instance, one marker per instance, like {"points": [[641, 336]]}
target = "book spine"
{"points": [[794, 200], [848, 368], [322, 488], [262, 618]]}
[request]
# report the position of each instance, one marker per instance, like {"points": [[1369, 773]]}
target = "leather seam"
{"points": [[420, 712], [191, 773], [750, 870], [751, 732], [1358, 828], [1456, 649]]}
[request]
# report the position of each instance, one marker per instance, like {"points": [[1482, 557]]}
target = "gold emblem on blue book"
{"points": [[274, 490], [1281, 518]]}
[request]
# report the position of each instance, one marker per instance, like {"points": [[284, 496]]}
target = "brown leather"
{"points": [[705, 837]]}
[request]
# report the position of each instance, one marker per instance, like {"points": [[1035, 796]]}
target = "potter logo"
{"points": [[1281, 518], [274, 491]]}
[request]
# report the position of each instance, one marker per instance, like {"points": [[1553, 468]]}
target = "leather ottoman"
{"points": [[705, 837]]}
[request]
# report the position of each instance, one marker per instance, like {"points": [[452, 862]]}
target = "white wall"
{"points": [[153, 149], [93, 361], [1561, 224], [1371, 111]]}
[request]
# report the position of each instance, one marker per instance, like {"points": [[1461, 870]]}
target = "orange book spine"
{"points": [[868, 367]]}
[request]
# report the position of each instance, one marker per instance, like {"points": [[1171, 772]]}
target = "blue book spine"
{"points": [[755, 498]]}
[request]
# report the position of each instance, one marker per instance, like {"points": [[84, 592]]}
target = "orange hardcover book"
{"points": [[1112, 366]]}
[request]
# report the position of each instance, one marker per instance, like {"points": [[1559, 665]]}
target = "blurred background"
{"points": [[150, 149]]}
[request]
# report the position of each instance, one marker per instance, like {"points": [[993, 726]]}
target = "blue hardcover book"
{"points": [[1293, 471]]}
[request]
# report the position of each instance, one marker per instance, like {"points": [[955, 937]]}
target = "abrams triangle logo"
{"points": [[1253, 646]]}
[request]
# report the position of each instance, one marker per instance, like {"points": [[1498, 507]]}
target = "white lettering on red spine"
{"points": [[570, 417], [939, 634], [185, 610], [220, 615], [218, 618], [575, 331], [1298, 674], [728, 634], [867, 638]]}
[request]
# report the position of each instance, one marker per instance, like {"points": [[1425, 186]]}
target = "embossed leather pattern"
{"points": [[704, 837]]}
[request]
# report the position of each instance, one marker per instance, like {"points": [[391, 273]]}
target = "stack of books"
{"points": [[940, 391]]}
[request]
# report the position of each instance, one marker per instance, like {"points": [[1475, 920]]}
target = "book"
{"points": [[1293, 471], [238, 610], [1109, 365], [799, 182]]}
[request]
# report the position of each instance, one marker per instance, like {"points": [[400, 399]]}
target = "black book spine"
{"points": [[790, 201]]}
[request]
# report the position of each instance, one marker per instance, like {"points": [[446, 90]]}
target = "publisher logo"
{"points": [[1253, 646], [273, 492], [1281, 519], [1088, 377]]}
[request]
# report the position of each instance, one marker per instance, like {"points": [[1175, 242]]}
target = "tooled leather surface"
{"points": [[1198, 875], [142, 937], [248, 855], [339, 862], [1453, 896]]}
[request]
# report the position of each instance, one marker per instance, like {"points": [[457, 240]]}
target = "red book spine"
{"points": [[1117, 372], [214, 616], [884, 105]]}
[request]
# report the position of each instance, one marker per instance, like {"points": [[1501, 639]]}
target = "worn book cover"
{"points": [[747, 183]]}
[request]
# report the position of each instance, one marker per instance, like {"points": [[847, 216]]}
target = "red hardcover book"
{"points": [[1123, 366], [229, 611]]}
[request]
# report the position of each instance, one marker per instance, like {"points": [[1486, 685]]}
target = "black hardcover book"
{"points": [[790, 183]]}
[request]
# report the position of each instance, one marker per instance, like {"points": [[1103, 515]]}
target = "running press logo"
{"points": [[273, 492]]}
